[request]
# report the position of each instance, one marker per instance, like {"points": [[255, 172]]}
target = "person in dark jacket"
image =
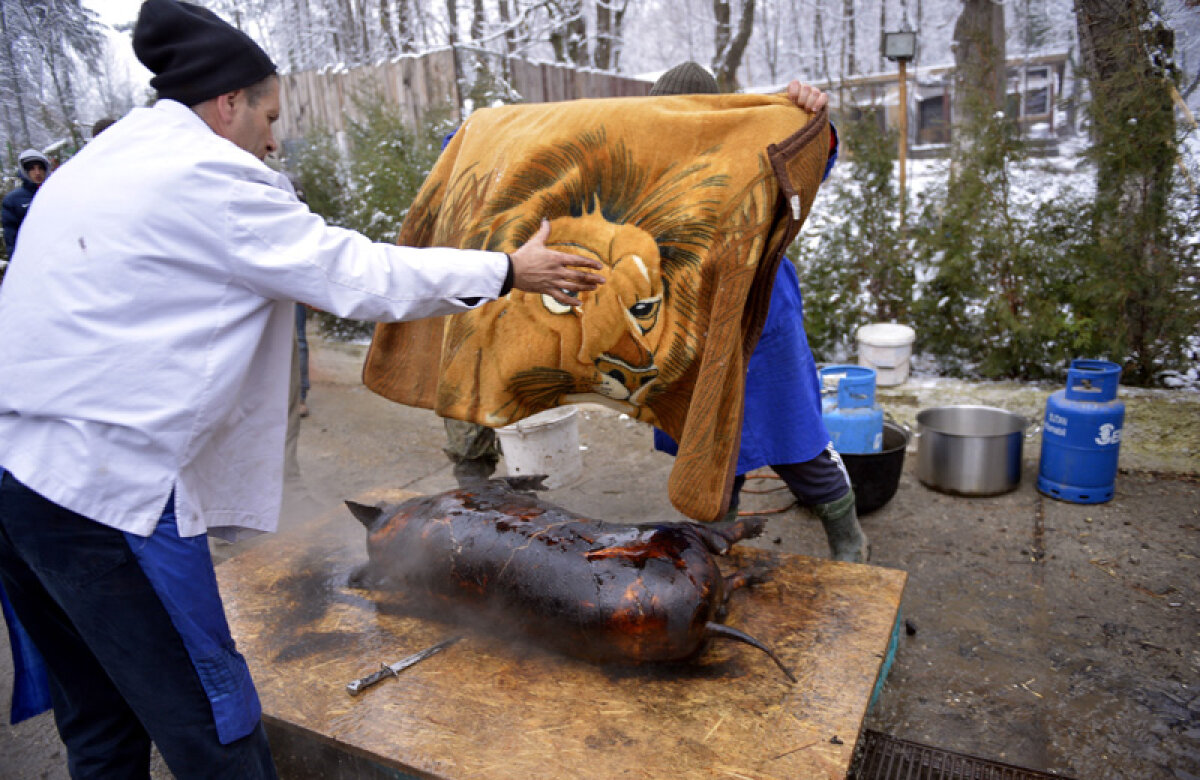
{"points": [[32, 167]]}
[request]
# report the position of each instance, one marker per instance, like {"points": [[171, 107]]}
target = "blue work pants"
{"points": [[120, 673]]}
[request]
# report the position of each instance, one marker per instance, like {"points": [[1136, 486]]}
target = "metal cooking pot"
{"points": [[970, 450]]}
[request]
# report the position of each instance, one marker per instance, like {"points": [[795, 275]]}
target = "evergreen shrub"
{"points": [[1140, 264], [371, 186], [997, 299]]}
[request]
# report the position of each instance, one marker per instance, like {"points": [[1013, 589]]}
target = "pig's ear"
{"points": [[367, 515], [527, 482]]}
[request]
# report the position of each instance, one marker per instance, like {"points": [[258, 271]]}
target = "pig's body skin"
{"points": [[591, 589]]}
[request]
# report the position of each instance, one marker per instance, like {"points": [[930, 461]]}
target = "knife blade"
{"points": [[392, 670]]}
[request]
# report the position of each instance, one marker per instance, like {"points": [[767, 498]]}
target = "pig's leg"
{"points": [[744, 578], [719, 537]]}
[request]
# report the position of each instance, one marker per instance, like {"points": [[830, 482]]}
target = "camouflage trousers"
{"points": [[470, 443]]}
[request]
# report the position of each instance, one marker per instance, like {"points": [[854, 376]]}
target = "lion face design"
{"points": [[630, 339], [602, 351], [621, 322]]}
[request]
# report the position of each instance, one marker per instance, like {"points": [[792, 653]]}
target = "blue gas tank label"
{"points": [[1109, 434], [1056, 424]]}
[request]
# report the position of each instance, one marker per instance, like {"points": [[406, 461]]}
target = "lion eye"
{"points": [[645, 313], [553, 306], [643, 309]]}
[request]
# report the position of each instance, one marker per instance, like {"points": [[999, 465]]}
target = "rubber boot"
{"points": [[473, 471], [847, 542]]}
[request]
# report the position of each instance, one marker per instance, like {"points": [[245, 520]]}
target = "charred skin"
{"points": [[591, 589]]}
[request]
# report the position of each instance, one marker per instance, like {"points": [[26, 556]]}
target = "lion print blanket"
{"points": [[689, 201]]}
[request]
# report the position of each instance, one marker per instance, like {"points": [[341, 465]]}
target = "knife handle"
{"points": [[362, 683]]}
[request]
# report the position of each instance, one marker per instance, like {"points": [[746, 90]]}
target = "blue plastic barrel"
{"points": [[1081, 435], [854, 421]]}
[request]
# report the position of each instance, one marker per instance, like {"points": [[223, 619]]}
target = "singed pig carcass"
{"points": [[601, 591]]}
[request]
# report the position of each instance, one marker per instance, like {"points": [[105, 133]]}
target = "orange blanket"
{"points": [[689, 201]]}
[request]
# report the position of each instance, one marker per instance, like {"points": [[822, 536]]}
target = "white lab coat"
{"points": [[146, 323]]}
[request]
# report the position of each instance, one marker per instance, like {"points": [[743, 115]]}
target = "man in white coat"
{"points": [[143, 392]]}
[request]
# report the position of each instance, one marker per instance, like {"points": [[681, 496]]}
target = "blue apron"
{"points": [[782, 418], [181, 572], [31, 685]]}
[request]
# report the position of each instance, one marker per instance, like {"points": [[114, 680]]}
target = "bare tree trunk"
{"points": [[980, 75], [730, 43], [460, 91], [345, 31], [390, 43], [568, 31], [305, 34], [15, 88], [882, 29], [819, 45], [406, 25], [452, 22], [849, 44], [509, 21], [610, 16], [478, 21], [366, 45], [771, 38], [64, 92]]}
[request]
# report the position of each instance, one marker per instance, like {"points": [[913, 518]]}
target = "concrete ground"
{"points": [[1055, 636]]}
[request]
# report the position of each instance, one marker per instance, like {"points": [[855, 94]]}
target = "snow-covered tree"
{"points": [[45, 44]]}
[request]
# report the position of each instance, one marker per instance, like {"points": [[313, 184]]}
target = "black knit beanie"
{"points": [[686, 79], [194, 54]]}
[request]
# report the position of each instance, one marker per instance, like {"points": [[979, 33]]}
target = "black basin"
{"points": [[875, 476]]}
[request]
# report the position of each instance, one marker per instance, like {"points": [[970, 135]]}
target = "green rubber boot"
{"points": [[847, 542]]}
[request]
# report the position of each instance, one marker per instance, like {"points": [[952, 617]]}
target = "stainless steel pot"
{"points": [[970, 450]]}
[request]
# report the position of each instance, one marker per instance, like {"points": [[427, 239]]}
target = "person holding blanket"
{"points": [[145, 403], [782, 426]]}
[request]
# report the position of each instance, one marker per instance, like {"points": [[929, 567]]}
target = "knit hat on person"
{"points": [[194, 54], [686, 79], [31, 156]]}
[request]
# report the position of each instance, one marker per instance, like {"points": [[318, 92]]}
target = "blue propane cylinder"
{"points": [[1081, 435], [854, 421]]}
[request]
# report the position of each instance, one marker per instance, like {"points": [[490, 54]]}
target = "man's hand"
{"points": [[537, 269], [807, 97]]}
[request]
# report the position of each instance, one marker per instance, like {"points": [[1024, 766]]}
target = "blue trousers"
{"points": [[302, 346], [818, 481], [120, 672]]}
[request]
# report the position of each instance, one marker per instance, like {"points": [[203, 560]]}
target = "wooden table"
{"points": [[486, 708]]}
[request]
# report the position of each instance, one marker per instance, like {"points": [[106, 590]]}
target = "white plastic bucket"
{"points": [[887, 348], [544, 443]]}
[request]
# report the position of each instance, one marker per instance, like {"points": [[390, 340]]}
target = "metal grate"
{"points": [[883, 757]]}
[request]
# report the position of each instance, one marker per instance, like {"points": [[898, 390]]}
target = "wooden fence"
{"points": [[326, 99]]}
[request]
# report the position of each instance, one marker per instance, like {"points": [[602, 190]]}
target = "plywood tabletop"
{"points": [[492, 708]]}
